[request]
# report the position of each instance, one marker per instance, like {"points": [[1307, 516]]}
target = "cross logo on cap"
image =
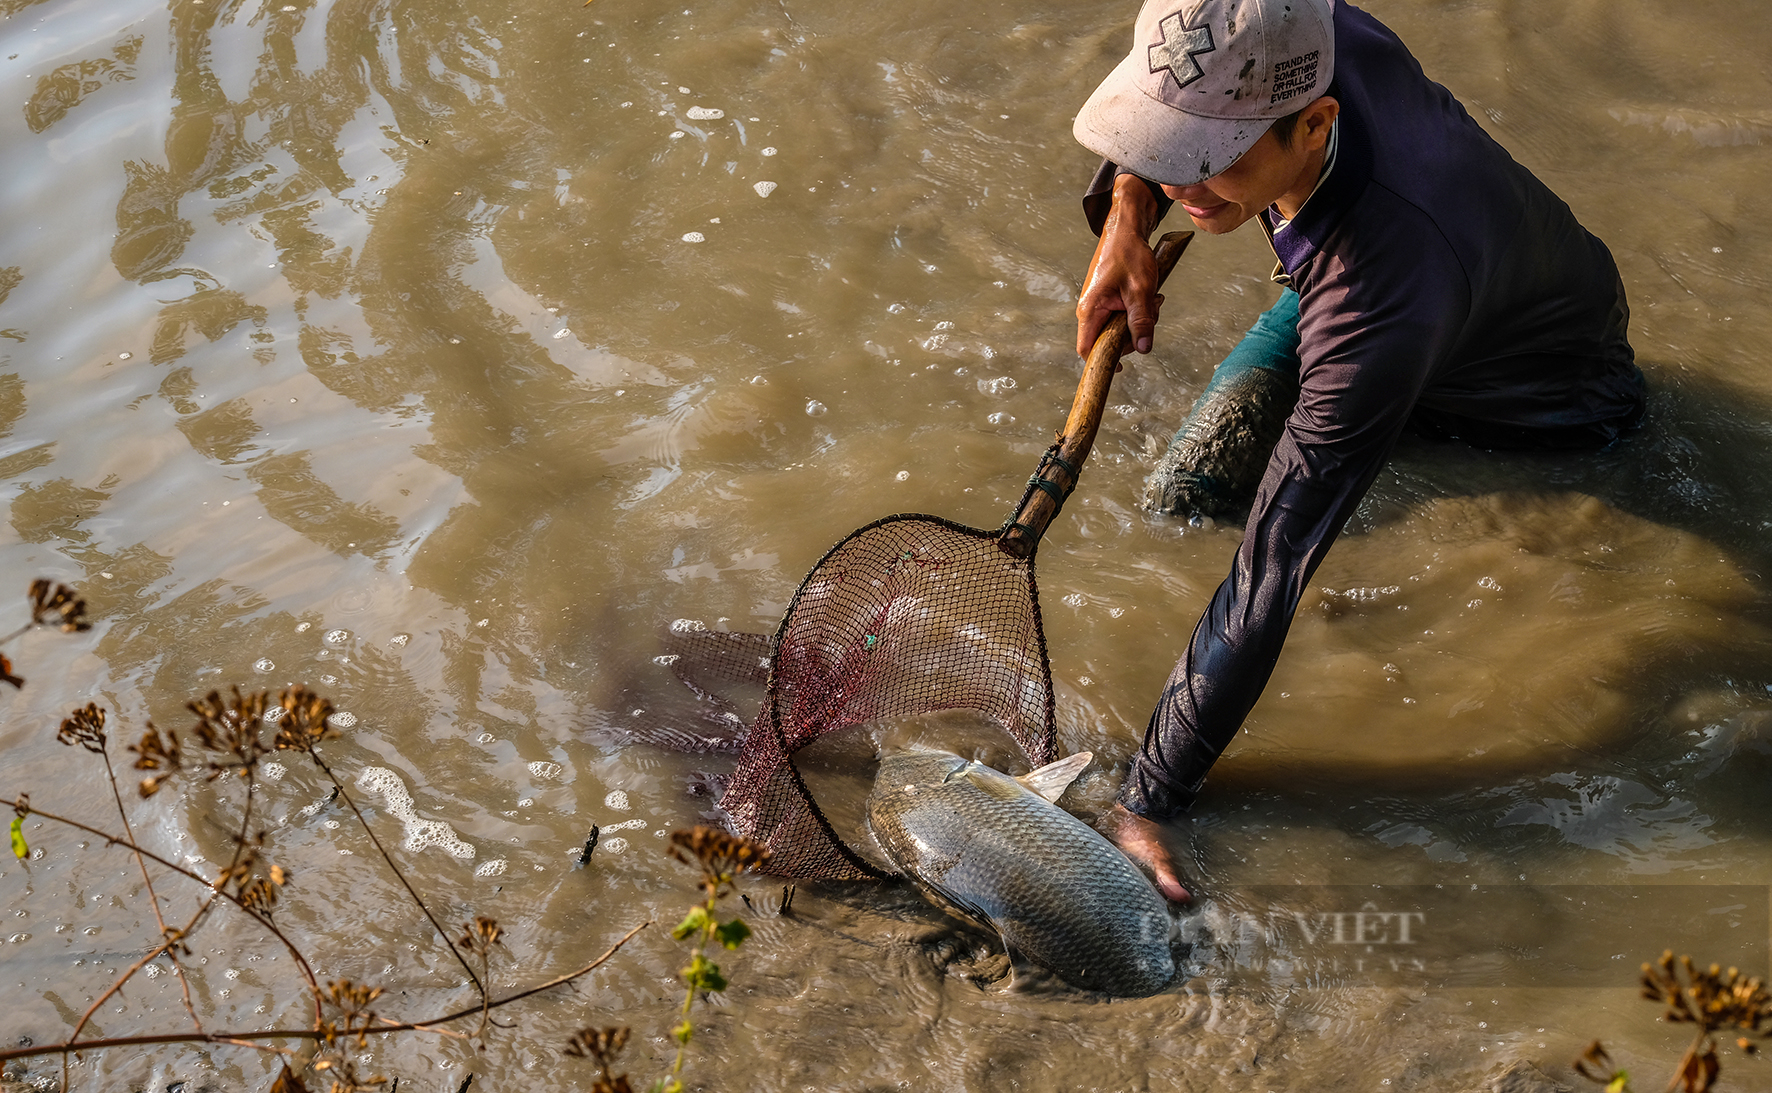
{"points": [[1177, 50]]}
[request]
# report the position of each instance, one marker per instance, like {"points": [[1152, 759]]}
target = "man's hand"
{"points": [[1144, 841], [1123, 274]]}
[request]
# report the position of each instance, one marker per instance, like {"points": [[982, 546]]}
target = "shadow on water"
{"points": [[1697, 464]]}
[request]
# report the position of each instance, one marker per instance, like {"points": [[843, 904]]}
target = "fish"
{"points": [[1000, 852]]}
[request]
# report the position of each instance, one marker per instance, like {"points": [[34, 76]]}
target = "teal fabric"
{"points": [[1272, 343]]}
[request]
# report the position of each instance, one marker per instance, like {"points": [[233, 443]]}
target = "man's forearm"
{"points": [[1134, 208], [1098, 196]]}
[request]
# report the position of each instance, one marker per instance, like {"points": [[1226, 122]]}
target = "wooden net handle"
{"points": [[1057, 477]]}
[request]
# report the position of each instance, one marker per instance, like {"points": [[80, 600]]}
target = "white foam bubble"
{"points": [[613, 846], [263, 664], [694, 237], [274, 771], [666, 660], [705, 113], [625, 825], [815, 408], [398, 802], [563, 332], [399, 640], [688, 626], [304, 628], [337, 637], [274, 715], [618, 800], [768, 152], [546, 770], [490, 868], [343, 719], [764, 189]]}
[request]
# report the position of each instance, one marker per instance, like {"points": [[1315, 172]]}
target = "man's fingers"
{"points": [[1089, 328], [1141, 320]]}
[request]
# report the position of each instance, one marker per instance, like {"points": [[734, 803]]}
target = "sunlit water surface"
{"points": [[441, 356]]}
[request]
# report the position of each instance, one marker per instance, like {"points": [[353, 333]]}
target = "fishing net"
{"points": [[910, 615], [913, 615]]}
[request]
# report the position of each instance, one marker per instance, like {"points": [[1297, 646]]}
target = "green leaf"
{"points": [[682, 1032], [697, 919], [732, 934], [18, 838], [703, 974]]}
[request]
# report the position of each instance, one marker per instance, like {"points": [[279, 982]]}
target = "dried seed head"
{"points": [[721, 854], [85, 727], [303, 721], [1711, 998], [480, 936], [57, 603], [231, 726], [601, 1045], [6, 675], [352, 1001], [157, 752]]}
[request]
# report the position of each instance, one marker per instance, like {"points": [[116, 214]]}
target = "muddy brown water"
{"points": [[359, 343]]}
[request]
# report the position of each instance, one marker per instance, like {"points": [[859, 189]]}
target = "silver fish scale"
{"points": [[1057, 891]]}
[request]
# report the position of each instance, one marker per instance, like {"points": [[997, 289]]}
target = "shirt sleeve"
{"points": [[1098, 198], [1375, 321]]}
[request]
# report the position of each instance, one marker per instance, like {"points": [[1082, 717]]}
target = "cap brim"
{"points": [[1154, 140]]}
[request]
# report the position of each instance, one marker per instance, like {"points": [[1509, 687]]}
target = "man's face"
{"points": [[1269, 173]]}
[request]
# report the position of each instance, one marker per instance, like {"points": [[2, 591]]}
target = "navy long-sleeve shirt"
{"points": [[1440, 283]]}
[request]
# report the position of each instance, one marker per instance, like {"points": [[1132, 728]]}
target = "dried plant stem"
{"points": [[301, 961], [153, 899], [250, 1038], [166, 942], [17, 632], [314, 754], [1698, 1041]]}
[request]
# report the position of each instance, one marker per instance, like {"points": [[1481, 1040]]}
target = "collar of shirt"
{"points": [[1308, 232]]}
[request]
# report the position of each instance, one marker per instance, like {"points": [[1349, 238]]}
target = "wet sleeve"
{"points": [[1098, 198], [1372, 331]]}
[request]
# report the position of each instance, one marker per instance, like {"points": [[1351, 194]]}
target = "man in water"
{"points": [[1429, 283]]}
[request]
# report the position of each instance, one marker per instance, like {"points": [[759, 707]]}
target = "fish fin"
{"points": [[1051, 780]]}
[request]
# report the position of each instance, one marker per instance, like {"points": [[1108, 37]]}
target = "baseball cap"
{"points": [[1204, 80]]}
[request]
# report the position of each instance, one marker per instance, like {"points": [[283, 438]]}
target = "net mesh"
{"points": [[909, 615]]}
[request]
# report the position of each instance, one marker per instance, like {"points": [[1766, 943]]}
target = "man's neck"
{"points": [[1304, 185]]}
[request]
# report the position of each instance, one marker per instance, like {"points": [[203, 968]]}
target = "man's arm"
{"points": [[1372, 338], [1122, 274]]}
